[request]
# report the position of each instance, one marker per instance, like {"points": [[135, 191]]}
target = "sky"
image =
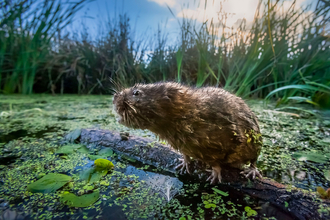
{"points": [[147, 15]]}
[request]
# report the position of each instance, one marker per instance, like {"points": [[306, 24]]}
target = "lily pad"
{"points": [[49, 183], [220, 192], [311, 156], [72, 200]]}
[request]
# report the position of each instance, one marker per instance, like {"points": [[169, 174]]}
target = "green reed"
{"points": [[284, 54], [27, 29]]}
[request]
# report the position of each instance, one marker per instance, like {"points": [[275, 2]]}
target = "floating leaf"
{"points": [[103, 164], [49, 183], [102, 154], [106, 152], [71, 148], [73, 135], [72, 200], [86, 174], [83, 149], [327, 174], [96, 176], [92, 175], [326, 140], [311, 156], [67, 149], [95, 157], [220, 192]]}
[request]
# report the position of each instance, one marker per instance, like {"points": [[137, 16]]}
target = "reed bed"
{"points": [[284, 54]]}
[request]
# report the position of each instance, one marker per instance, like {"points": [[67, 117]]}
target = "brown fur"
{"points": [[208, 124]]}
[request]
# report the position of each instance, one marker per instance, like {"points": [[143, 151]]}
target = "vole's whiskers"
{"points": [[131, 107], [117, 85], [113, 90], [128, 119]]}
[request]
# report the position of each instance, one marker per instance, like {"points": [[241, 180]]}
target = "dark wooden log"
{"points": [[300, 204]]}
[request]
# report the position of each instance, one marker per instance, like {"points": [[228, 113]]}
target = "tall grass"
{"points": [[306, 72], [265, 57], [284, 53], [27, 30]]}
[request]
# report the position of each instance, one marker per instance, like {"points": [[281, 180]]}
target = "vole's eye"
{"points": [[136, 92]]}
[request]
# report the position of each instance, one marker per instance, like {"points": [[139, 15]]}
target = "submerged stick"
{"points": [[296, 202]]}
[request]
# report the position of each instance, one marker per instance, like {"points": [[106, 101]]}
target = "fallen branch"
{"points": [[285, 113], [296, 202]]}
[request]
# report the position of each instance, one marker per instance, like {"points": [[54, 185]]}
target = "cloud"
{"points": [[170, 3], [235, 9]]}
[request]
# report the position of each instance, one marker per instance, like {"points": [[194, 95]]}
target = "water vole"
{"points": [[208, 124]]}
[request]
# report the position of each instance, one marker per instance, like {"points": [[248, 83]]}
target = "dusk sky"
{"points": [[146, 15]]}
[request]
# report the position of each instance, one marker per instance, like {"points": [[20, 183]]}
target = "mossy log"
{"points": [[298, 203]]}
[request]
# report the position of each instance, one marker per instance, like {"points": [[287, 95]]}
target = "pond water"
{"points": [[32, 130]]}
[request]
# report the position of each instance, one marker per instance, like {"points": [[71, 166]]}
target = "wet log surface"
{"points": [[297, 203]]}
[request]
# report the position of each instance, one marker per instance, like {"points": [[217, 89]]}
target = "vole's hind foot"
{"points": [[251, 172], [215, 175], [184, 165]]}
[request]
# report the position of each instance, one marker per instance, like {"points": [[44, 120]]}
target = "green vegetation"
{"points": [[49, 183], [284, 53], [27, 41]]}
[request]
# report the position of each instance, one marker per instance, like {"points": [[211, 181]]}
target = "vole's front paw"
{"points": [[215, 175], [184, 165], [251, 172]]}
